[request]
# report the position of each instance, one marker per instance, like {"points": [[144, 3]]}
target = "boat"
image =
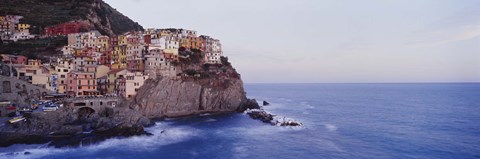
{"points": [[17, 119], [50, 107]]}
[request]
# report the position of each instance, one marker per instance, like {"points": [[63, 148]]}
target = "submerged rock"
{"points": [[261, 115], [265, 103], [273, 119]]}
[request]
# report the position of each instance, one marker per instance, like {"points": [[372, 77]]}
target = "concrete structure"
{"points": [[97, 104]]}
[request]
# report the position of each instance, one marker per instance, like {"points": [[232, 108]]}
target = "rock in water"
{"points": [[265, 103], [261, 115], [273, 119], [249, 104]]}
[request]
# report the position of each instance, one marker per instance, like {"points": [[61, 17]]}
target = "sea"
{"points": [[345, 121]]}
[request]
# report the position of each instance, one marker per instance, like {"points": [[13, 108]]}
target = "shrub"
{"points": [[190, 72], [224, 61]]}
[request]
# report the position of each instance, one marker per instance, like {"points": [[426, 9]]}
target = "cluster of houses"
{"points": [[93, 64], [12, 30]]}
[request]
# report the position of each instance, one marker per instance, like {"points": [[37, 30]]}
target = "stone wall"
{"points": [[18, 91], [93, 102]]}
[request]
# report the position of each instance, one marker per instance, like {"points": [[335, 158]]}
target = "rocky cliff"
{"points": [[174, 98]]}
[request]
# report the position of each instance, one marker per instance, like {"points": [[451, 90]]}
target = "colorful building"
{"points": [[131, 83], [112, 80], [82, 83], [66, 28]]}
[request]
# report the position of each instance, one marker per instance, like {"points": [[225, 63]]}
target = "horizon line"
{"points": [[363, 82]]}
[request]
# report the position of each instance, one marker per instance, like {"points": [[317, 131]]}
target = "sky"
{"points": [[330, 41]]}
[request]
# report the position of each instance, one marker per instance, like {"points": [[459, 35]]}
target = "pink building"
{"points": [[132, 39], [14, 59], [82, 83]]}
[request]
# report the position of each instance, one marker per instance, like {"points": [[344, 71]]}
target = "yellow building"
{"points": [[185, 42], [118, 66], [103, 43], [171, 51], [22, 27], [119, 55], [62, 69], [112, 77], [196, 43], [122, 40]]}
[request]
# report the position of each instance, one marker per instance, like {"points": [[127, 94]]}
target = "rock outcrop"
{"points": [[67, 127], [270, 118], [175, 98]]}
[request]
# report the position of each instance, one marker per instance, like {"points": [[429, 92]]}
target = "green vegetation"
{"points": [[195, 56], [35, 48], [43, 13], [225, 61], [190, 72]]}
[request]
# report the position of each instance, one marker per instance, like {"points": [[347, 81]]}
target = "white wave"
{"points": [[331, 127], [210, 120], [306, 105], [163, 134], [285, 99]]}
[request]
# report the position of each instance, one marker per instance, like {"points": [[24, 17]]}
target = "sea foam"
{"points": [[163, 134]]}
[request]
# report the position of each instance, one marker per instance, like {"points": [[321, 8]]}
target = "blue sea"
{"points": [[350, 121]]}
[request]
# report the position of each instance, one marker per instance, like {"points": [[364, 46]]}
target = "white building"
{"points": [[21, 35], [157, 65], [159, 42], [213, 50], [188, 33], [134, 51]]}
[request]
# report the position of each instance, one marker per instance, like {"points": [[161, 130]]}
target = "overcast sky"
{"points": [[310, 41]]}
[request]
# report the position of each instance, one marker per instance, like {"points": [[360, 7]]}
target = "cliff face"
{"points": [[174, 98], [43, 13]]}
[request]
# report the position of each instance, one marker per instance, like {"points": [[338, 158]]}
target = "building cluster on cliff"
{"points": [[12, 30], [93, 64]]}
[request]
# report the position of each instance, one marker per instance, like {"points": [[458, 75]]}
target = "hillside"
{"points": [[43, 13]]}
